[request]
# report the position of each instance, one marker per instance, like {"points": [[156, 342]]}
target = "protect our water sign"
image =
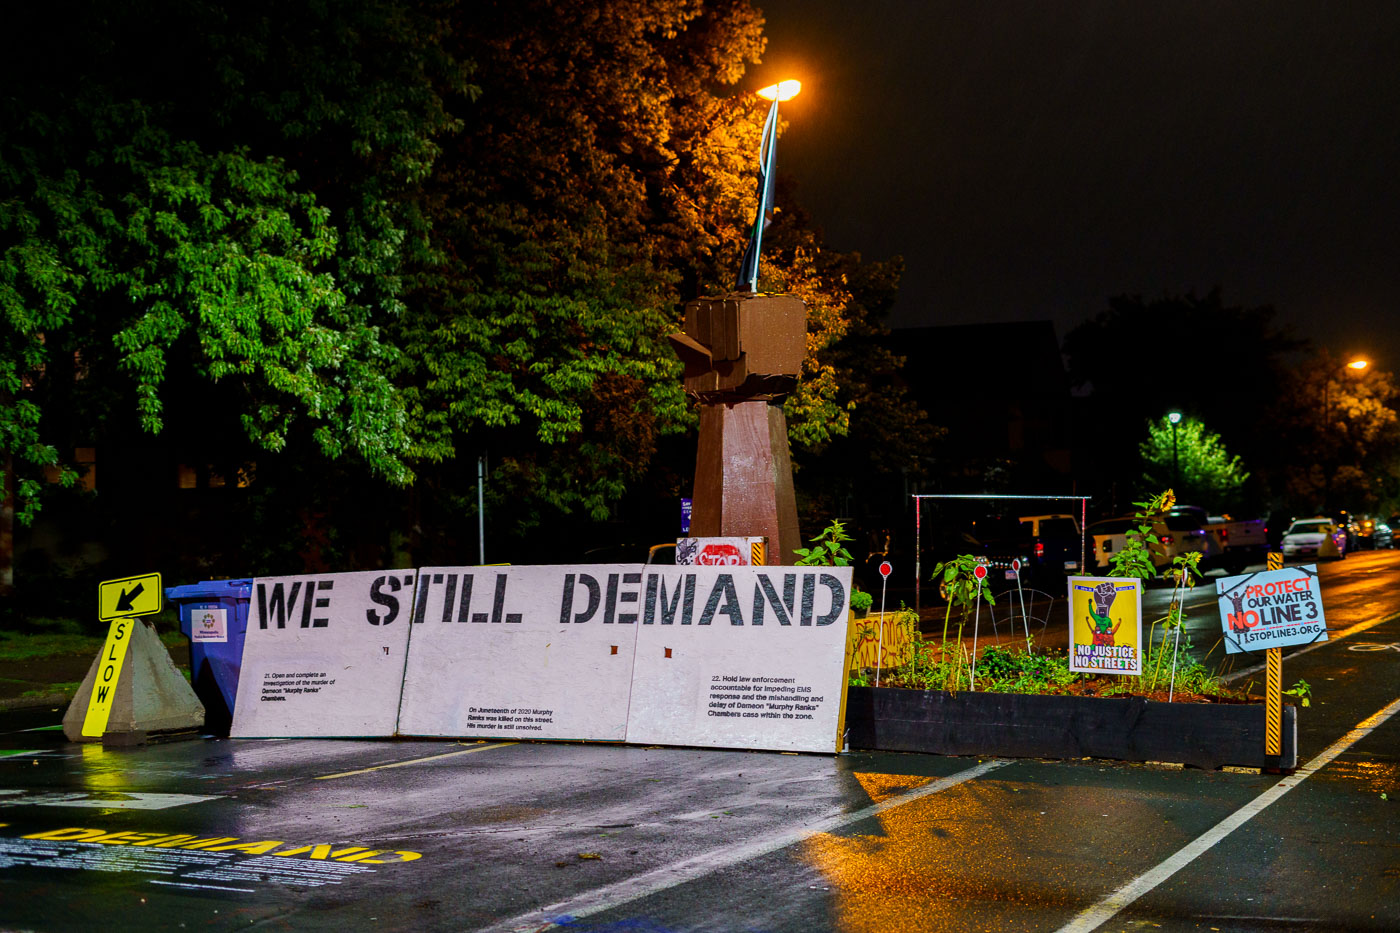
{"points": [[1273, 609]]}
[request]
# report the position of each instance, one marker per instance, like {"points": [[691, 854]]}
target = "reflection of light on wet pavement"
{"points": [[1371, 776], [880, 787], [103, 770], [970, 858]]}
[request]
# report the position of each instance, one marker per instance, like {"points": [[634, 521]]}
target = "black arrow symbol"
{"points": [[124, 604]]}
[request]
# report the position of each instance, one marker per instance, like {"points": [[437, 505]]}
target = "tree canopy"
{"points": [[1339, 427], [1193, 462], [383, 237], [157, 217]]}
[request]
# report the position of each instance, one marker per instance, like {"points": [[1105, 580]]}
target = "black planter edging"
{"points": [[1006, 725]]}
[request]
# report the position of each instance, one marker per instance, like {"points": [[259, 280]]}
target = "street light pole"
{"points": [[1175, 418], [1357, 365], [767, 164]]}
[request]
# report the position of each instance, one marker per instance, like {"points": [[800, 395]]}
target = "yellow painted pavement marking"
{"points": [[416, 761]]}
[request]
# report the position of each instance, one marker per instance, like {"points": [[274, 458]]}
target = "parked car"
{"points": [[1058, 542], [1238, 543], [1374, 534], [1002, 541], [1318, 537], [1179, 533]]}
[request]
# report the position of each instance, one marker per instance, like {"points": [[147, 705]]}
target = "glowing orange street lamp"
{"points": [[1358, 364], [783, 90]]}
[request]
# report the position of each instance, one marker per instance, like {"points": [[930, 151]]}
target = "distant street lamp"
{"points": [[767, 162], [1175, 418]]}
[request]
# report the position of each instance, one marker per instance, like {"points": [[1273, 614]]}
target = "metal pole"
{"points": [[880, 648], [766, 160], [1176, 469], [976, 619], [481, 509], [1178, 600], [1083, 532], [1025, 619], [918, 513]]}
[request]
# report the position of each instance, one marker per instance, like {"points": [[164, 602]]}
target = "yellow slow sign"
{"points": [[104, 688]]}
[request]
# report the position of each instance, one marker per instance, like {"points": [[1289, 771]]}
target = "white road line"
{"points": [[113, 800], [416, 761], [1110, 906], [1350, 630], [207, 887], [706, 863]]}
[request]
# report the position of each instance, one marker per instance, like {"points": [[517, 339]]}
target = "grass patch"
{"points": [[38, 645], [48, 689], [53, 638]]}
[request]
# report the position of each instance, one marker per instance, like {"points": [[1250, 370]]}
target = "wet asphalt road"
{"points": [[445, 836]]}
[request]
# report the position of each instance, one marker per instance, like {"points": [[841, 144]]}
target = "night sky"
{"points": [[1030, 160]]}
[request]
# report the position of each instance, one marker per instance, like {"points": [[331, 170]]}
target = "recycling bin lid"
{"points": [[210, 589]]}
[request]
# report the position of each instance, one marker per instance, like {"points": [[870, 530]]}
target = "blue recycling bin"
{"points": [[214, 617]]}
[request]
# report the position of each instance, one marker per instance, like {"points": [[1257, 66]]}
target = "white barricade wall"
{"points": [[541, 652], [741, 657], [324, 655]]}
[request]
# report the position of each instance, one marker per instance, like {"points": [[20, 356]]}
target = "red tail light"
{"points": [[1224, 534], [1166, 539]]}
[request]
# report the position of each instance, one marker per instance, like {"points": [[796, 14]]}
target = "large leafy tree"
{"points": [[191, 189], [380, 238], [1193, 462], [1338, 427], [597, 186]]}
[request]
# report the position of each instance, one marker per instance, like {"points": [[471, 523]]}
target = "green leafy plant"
{"points": [[861, 601], [1185, 571], [959, 583], [1302, 691], [828, 548], [1135, 559]]}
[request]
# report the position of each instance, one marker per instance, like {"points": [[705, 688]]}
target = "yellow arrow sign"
{"points": [[129, 596]]}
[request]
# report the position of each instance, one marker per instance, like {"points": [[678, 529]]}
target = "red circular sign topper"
{"points": [[1016, 564], [885, 569], [980, 571]]}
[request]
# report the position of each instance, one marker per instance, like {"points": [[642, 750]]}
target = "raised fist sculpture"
{"points": [[743, 355]]}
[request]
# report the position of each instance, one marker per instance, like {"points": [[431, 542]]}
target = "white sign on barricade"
{"points": [[539, 652], [324, 655], [717, 552], [741, 657]]}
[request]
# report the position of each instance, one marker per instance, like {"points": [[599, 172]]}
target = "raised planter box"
{"points": [[1003, 725]]}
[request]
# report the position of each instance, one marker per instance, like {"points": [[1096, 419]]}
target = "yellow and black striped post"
{"points": [[1273, 693], [757, 555], [1273, 711]]}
